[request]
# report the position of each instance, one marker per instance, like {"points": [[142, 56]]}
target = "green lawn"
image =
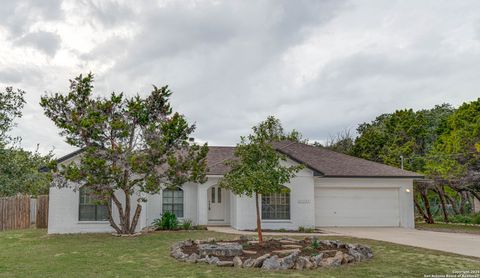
{"points": [[33, 253], [449, 228]]}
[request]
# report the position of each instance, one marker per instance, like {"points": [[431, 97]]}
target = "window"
{"points": [[276, 206], [89, 209], [219, 197], [172, 200]]}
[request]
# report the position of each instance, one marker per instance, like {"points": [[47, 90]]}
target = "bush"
{"points": [[476, 218], [187, 224], [465, 219], [168, 221]]}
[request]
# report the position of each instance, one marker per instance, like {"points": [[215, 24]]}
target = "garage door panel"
{"points": [[356, 207]]}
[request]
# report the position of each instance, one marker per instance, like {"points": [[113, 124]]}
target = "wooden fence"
{"points": [[14, 213], [42, 212], [19, 212]]}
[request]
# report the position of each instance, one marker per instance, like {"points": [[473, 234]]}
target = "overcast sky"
{"points": [[319, 66]]}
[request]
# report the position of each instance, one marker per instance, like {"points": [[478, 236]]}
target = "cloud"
{"points": [[320, 66], [46, 42]]}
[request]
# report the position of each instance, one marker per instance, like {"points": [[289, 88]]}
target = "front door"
{"points": [[216, 204]]}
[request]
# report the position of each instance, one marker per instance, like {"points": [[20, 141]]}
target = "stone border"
{"points": [[210, 249]]}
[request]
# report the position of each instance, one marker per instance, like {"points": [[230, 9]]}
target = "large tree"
{"points": [[130, 145], [19, 169], [455, 158], [410, 135], [257, 168], [11, 105]]}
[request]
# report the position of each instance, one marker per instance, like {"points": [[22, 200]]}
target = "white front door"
{"points": [[216, 204]]}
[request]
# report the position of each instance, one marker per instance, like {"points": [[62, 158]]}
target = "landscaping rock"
{"points": [[225, 263], [192, 258], [258, 261], [226, 250], [249, 252], [318, 258], [285, 252], [248, 263], [237, 262], [289, 261], [199, 241], [272, 263], [251, 242], [291, 246], [212, 260], [211, 240], [347, 259], [287, 240], [244, 238], [301, 263]]}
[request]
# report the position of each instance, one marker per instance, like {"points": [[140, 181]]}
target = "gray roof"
{"points": [[322, 161]]}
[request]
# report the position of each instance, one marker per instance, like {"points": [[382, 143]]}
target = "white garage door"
{"points": [[343, 207]]}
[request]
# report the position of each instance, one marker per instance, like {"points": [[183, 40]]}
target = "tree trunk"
{"points": [[441, 194], [427, 207], [259, 223], [420, 210], [110, 216], [452, 202], [136, 216]]}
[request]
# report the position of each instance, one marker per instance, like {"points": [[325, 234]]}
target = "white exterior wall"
{"points": [[302, 212], [404, 186], [63, 213], [154, 204]]}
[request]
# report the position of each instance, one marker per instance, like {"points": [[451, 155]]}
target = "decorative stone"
{"points": [[248, 263], [287, 240], [237, 262], [308, 263], [285, 252], [272, 263], [211, 240], [333, 261], [192, 258], [258, 261], [318, 258], [199, 241], [249, 252], [225, 263], [347, 259], [300, 263], [243, 237], [212, 260], [251, 242], [291, 246], [289, 261], [227, 250]]}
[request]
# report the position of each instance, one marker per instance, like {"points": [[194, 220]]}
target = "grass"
{"points": [[33, 253], [449, 228]]}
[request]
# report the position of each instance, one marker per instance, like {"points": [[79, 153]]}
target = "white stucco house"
{"points": [[333, 190]]}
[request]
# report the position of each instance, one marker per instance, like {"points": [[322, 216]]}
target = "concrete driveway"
{"points": [[463, 244]]}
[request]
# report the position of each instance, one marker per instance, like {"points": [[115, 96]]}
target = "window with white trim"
{"points": [[172, 200], [276, 206], [89, 207]]}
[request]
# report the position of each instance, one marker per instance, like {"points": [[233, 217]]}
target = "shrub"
{"points": [[466, 219], [315, 244], [476, 218], [187, 224], [168, 221]]}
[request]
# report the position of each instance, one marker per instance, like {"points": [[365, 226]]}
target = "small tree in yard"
{"points": [[257, 168], [130, 145]]}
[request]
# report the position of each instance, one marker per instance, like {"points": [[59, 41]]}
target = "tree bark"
{"points": [[259, 223], [452, 202], [427, 207], [136, 216], [420, 210], [441, 194], [110, 217], [127, 211]]}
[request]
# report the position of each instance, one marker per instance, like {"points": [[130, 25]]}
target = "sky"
{"points": [[320, 66]]}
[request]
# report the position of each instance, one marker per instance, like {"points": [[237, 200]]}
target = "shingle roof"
{"points": [[322, 161], [333, 164]]}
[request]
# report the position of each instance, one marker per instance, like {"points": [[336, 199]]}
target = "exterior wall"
{"points": [[154, 204], [63, 213], [302, 212], [404, 186]]}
